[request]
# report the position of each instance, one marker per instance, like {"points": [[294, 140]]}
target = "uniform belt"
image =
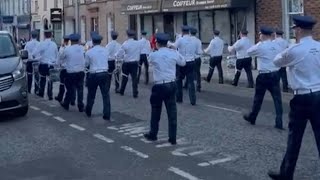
{"points": [[99, 71], [243, 57], [190, 60], [164, 82], [266, 71], [305, 91]]}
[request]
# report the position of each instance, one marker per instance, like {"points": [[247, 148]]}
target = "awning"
{"points": [[140, 6], [194, 5]]}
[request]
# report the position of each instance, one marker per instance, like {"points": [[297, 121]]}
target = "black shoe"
{"points": [[193, 104], [121, 93], [285, 90], [250, 86], [81, 110], [135, 96], [221, 82], [198, 89], [50, 98], [106, 118], [88, 114], [247, 118], [179, 102], [172, 141], [150, 137], [64, 106], [72, 103], [276, 176], [205, 79], [279, 127], [234, 84], [116, 91]]}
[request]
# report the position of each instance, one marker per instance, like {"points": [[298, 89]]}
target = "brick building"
{"points": [[103, 16], [278, 13]]}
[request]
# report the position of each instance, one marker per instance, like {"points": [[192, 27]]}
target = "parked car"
{"points": [[13, 80]]}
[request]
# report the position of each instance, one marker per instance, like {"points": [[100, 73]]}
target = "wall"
{"points": [[312, 7]]}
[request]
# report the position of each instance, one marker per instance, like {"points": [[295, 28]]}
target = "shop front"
{"points": [[228, 16]]}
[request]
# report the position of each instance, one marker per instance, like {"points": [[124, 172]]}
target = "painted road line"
{"points": [[196, 153], [46, 113], [145, 141], [103, 138], [181, 173], [180, 141], [35, 108], [77, 127], [130, 149], [222, 108], [127, 126], [60, 119], [132, 129], [112, 128], [136, 136], [218, 161]]}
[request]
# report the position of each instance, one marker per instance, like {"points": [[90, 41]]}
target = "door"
{"points": [[168, 26]]}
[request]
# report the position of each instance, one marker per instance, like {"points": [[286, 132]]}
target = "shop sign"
{"points": [[7, 19], [139, 6], [185, 5]]}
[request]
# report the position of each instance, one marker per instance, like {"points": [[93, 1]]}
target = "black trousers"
{"points": [[164, 93], [31, 74], [283, 76], [215, 62], [188, 72], [246, 65], [144, 61], [130, 68], [102, 81], [74, 83], [112, 67], [197, 74], [302, 108], [44, 74], [62, 87], [270, 82]]}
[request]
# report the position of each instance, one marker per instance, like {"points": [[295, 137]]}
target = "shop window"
{"points": [[133, 22], [206, 26]]}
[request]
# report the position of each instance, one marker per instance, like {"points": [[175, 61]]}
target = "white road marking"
{"points": [[51, 105], [196, 153], [46, 113], [222, 108], [126, 126], [218, 161], [130, 149], [178, 151], [145, 141], [77, 127], [103, 138], [59, 119], [137, 131], [112, 128], [35, 108], [183, 173], [136, 136]]}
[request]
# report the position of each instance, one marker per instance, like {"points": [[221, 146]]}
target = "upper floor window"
{"points": [[295, 7]]}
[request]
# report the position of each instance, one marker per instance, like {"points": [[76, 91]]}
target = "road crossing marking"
{"points": [[222, 108], [183, 173], [46, 113], [196, 153], [77, 127], [181, 141], [136, 136], [112, 128], [59, 119], [103, 138], [218, 161], [130, 149], [179, 151], [35, 108]]}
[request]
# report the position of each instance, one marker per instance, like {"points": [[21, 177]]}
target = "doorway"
{"points": [[168, 26]]}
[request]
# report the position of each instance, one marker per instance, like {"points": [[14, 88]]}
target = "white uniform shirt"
{"points": [[47, 52], [303, 62], [199, 46], [284, 44], [73, 58], [130, 51], [265, 52], [186, 47], [113, 47], [215, 47], [241, 47], [31, 47], [164, 63], [61, 50], [97, 59], [145, 46]]}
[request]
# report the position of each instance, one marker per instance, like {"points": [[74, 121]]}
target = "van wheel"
{"points": [[22, 111]]}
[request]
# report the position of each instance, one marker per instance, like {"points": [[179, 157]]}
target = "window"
{"points": [[36, 6], [95, 24], [45, 5], [293, 7], [7, 46], [82, 1], [70, 2]]}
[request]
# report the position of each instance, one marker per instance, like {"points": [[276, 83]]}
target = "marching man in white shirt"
{"points": [[48, 52], [113, 47], [268, 78], [197, 66], [145, 51], [30, 47], [73, 58], [130, 53], [303, 62], [164, 62], [283, 71], [215, 50], [98, 77], [243, 59]]}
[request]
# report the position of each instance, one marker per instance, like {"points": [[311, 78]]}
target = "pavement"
{"points": [[213, 140]]}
